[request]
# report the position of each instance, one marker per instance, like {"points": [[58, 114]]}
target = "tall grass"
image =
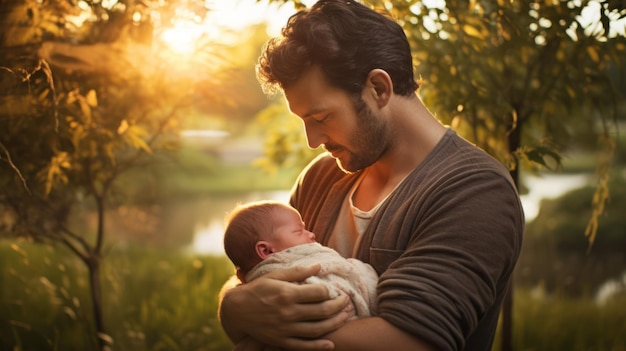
{"points": [[154, 299], [545, 323], [159, 299]]}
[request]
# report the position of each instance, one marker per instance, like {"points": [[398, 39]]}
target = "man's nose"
{"points": [[314, 136]]}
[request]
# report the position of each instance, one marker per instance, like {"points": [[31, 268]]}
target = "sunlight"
{"points": [[591, 21], [182, 37], [235, 15], [223, 23]]}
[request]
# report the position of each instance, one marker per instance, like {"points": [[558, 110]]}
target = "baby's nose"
{"points": [[311, 235]]}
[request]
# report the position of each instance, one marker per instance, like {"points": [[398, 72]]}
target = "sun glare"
{"points": [[223, 23], [182, 37]]}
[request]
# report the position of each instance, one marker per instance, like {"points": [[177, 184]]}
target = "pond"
{"points": [[208, 231]]}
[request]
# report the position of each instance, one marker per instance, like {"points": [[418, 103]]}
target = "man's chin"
{"points": [[345, 168]]}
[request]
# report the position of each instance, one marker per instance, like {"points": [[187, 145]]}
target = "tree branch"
{"points": [[14, 167]]}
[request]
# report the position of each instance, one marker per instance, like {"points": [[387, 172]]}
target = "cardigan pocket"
{"points": [[380, 259]]}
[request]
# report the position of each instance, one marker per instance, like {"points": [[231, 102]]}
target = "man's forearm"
{"points": [[369, 334]]}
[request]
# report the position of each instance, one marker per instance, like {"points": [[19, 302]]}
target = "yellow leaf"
{"points": [[472, 31], [106, 338], [86, 110], [593, 54], [92, 100], [71, 97], [123, 127], [134, 135], [69, 312], [43, 94]]}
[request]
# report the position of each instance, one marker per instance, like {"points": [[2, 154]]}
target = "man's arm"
{"points": [[274, 311], [374, 334]]}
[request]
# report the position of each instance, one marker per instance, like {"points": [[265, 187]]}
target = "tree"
{"points": [[525, 80], [87, 96]]}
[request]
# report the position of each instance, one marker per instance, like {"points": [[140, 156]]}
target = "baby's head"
{"points": [[256, 230]]}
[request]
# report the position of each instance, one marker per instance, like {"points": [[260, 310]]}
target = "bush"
{"points": [[561, 222]]}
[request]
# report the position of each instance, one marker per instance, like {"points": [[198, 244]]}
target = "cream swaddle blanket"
{"points": [[342, 276]]}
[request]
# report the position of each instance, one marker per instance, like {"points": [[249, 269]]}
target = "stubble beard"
{"points": [[369, 141]]}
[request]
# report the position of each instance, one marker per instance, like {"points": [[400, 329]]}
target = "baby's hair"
{"points": [[244, 226]]}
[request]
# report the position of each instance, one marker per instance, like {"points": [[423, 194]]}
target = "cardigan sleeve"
{"points": [[462, 243]]}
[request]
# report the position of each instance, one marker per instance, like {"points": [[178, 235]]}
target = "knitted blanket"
{"points": [[342, 276]]}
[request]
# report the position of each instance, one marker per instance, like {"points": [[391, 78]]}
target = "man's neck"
{"points": [[416, 133]]}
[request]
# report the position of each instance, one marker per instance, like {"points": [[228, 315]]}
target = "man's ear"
{"points": [[263, 249], [380, 85]]}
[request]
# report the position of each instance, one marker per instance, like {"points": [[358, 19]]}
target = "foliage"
{"points": [[156, 299], [562, 323], [561, 221], [285, 145], [86, 96], [504, 65]]}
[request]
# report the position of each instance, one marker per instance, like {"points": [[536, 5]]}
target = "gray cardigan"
{"points": [[444, 243]]}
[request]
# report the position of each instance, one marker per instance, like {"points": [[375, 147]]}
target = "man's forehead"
{"points": [[311, 94]]}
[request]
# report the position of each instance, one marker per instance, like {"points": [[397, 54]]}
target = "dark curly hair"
{"points": [[346, 40]]}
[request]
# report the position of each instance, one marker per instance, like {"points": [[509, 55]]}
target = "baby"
{"points": [[266, 235]]}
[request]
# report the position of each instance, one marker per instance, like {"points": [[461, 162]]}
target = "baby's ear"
{"points": [[263, 249], [241, 275]]}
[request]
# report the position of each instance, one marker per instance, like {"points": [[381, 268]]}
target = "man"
{"points": [[439, 219]]}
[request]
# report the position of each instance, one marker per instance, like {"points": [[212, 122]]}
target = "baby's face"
{"points": [[289, 230]]}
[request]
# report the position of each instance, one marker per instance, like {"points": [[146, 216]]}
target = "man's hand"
{"points": [[274, 311]]}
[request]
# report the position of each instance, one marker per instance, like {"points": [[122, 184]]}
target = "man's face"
{"points": [[350, 131]]}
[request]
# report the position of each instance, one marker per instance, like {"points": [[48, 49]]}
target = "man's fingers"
{"points": [[311, 293], [323, 310], [294, 274], [305, 293]]}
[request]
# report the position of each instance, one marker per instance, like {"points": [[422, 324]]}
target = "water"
{"points": [[208, 231], [548, 187]]}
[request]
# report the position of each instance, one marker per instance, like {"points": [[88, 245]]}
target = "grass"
{"points": [[159, 299], [196, 172], [564, 323], [153, 300]]}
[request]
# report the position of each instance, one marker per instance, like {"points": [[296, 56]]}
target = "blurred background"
{"points": [[129, 128]]}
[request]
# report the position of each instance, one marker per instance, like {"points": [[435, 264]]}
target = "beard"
{"points": [[368, 142]]}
